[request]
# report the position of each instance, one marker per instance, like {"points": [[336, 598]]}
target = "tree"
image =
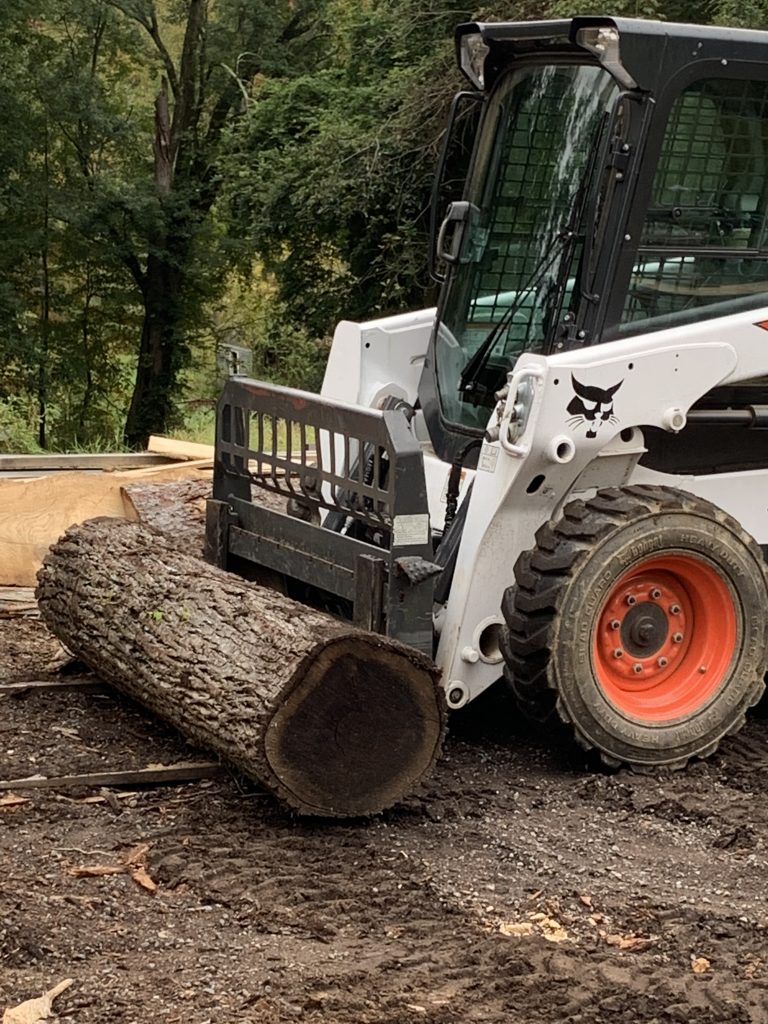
{"points": [[336, 167], [333, 176], [152, 145], [128, 106], [201, 94]]}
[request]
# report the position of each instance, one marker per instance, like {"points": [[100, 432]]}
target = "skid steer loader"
{"points": [[560, 474]]}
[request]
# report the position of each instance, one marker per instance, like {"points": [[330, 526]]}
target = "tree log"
{"points": [[333, 720]]}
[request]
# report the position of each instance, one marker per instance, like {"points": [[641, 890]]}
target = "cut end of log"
{"points": [[360, 729]]}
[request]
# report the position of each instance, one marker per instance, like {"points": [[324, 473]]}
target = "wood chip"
{"points": [[140, 876], [133, 863], [633, 942], [137, 855], [158, 775], [34, 1010], [700, 965], [551, 929], [516, 928], [8, 800], [105, 797], [96, 870]]}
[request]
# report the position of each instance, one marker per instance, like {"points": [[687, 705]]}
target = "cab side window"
{"points": [[705, 238]]}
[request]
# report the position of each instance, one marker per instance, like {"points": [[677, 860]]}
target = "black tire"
{"points": [[556, 641]]}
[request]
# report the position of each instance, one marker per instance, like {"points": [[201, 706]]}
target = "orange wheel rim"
{"points": [[665, 639]]}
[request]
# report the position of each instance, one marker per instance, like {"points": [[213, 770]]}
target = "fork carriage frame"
{"points": [[354, 468]]}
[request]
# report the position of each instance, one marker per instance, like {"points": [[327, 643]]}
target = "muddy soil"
{"points": [[518, 887]]}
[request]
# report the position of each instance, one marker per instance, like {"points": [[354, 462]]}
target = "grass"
{"points": [[200, 426]]}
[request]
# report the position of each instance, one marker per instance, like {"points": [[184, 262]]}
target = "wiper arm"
{"points": [[469, 379]]}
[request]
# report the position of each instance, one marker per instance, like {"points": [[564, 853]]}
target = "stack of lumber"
{"points": [[41, 496]]}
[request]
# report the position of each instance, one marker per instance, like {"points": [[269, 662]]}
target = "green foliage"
{"points": [[17, 426], [111, 253], [66, 315], [333, 178], [300, 147]]}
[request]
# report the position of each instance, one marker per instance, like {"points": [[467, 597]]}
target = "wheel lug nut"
{"points": [[655, 593], [618, 653], [615, 624], [677, 638], [662, 662], [631, 599], [637, 669], [703, 669], [674, 609]]}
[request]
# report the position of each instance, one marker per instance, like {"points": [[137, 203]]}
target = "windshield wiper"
{"points": [[469, 382]]}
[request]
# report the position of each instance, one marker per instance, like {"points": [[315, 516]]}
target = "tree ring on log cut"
{"points": [[353, 735]]}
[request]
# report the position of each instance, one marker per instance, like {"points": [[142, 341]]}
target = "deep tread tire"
{"points": [[553, 611]]}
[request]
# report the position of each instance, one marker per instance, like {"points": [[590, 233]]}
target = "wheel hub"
{"points": [[643, 628], [665, 637]]}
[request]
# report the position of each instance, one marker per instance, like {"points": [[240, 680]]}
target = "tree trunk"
{"points": [[161, 350], [335, 721]]}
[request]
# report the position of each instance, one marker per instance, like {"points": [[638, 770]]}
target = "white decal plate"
{"points": [[489, 456], [407, 530]]}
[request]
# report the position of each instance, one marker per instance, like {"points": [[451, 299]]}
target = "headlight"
{"points": [[598, 39], [473, 52]]}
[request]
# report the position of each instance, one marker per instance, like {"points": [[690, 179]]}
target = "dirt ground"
{"points": [[518, 887]]}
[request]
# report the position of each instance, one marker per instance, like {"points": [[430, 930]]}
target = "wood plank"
{"points": [[17, 595], [156, 776], [18, 602], [48, 685], [182, 468], [34, 464], [176, 449], [34, 513]]}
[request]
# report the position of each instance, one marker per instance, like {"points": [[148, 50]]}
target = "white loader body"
{"points": [[661, 375]]}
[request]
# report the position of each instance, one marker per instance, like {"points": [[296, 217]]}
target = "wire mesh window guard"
{"points": [[538, 139], [542, 150], [705, 237]]}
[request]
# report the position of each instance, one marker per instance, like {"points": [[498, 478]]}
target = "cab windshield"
{"points": [[522, 246]]}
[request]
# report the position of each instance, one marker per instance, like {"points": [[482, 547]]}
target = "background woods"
{"points": [[178, 172]]}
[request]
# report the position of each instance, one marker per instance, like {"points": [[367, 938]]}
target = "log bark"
{"points": [[334, 721], [176, 509]]}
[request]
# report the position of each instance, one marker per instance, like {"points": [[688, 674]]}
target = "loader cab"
{"points": [[618, 184]]}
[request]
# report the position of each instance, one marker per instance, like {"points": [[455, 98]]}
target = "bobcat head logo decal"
{"points": [[591, 406]]}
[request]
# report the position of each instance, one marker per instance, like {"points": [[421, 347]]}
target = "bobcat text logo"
{"points": [[591, 406]]}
